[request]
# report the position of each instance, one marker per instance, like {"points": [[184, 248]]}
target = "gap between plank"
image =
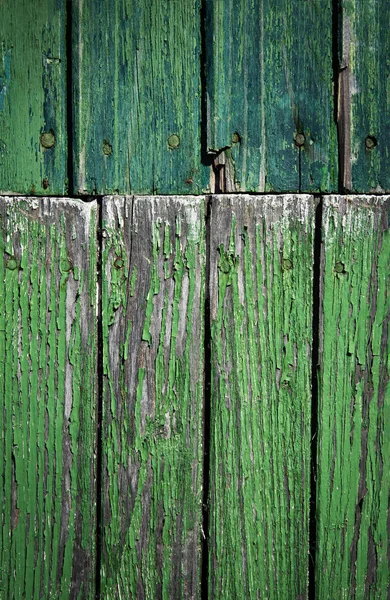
{"points": [[99, 401], [206, 414], [69, 96], [338, 110], [314, 398]]}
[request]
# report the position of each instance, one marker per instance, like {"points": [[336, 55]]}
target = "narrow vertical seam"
{"points": [[315, 397], [206, 415], [99, 402]]}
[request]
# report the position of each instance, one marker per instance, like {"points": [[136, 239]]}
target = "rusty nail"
{"points": [[47, 139], [119, 263], [299, 140], [286, 264], [107, 148], [173, 141], [236, 138], [339, 267], [45, 183], [12, 263], [371, 142], [65, 265]]}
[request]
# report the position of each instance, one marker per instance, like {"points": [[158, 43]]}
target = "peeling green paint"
{"points": [[47, 386], [138, 97], [268, 80], [153, 399], [261, 331], [33, 97], [353, 475], [5, 75], [367, 94]]}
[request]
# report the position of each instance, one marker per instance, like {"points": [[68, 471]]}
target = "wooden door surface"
{"points": [[194, 299]]}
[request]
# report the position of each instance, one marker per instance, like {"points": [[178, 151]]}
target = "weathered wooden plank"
{"points": [[137, 97], [261, 259], [47, 391], [364, 98], [33, 140], [353, 478], [153, 329], [269, 92]]}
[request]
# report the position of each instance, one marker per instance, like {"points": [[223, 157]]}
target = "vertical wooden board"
{"points": [[353, 471], [137, 97], [269, 92], [153, 329], [47, 390], [33, 140], [261, 263], [364, 102]]}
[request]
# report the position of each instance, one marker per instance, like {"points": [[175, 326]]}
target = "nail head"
{"points": [[299, 139], [48, 139], [173, 141]]}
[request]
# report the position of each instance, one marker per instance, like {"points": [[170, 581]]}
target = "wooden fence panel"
{"points": [[261, 269], [364, 98], [137, 97], [153, 330], [353, 478], [33, 139], [48, 397], [269, 93]]}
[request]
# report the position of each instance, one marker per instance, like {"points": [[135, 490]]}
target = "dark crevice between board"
{"points": [[336, 62], [206, 416], [206, 158], [69, 96], [99, 403], [299, 170], [314, 400]]}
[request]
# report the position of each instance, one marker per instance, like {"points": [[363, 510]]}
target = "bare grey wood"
{"points": [[153, 327]]}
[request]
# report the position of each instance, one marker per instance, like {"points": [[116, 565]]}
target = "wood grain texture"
{"points": [[364, 97], [153, 329], [261, 259], [33, 140], [353, 479], [137, 97], [269, 80], [47, 390]]}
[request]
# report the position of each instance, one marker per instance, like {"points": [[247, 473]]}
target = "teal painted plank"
{"points": [[261, 259], [137, 97], [153, 329], [365, 96], [269, 92], [47, 397], [353, 472], [33, 138]]}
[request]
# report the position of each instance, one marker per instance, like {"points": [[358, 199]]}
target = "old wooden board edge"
{"points": [[269, 94], [48, 373], [353, 470], [261, 270], [153, 266], [364, 100], [137, 97], [33, 137]]}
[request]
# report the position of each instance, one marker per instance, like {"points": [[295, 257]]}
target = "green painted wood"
{"points": [[137, 97], [153, 328], [364, 103], [353, 471], [33, 138], [269, 92], [261, 259], [47, 395]]}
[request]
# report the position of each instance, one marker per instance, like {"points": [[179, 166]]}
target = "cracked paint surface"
{"points": [[153, 396]]}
